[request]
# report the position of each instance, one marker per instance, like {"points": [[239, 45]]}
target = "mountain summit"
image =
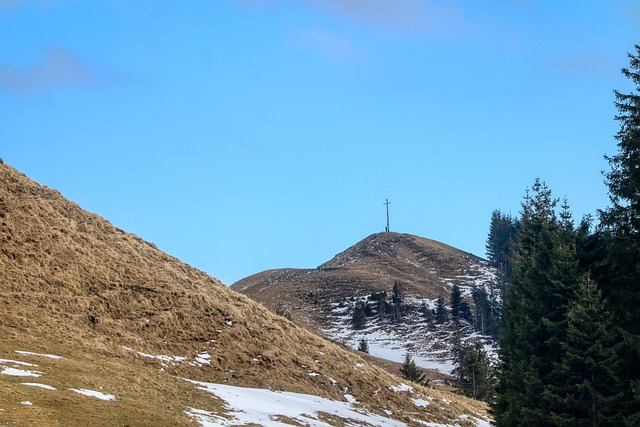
{"points": [[369, 275]]}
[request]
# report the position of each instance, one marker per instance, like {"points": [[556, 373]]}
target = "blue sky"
{"points": [[247, 135]]}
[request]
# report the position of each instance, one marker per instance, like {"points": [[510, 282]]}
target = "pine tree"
{"points": [[474, 372], [465, 311], [410, 371], [545, 267], [501, 242], [363, 345], [455, 301], [618, 271], [460, 309], [358, 317], [483, 312], [396, 302], [441, 311], [380, 302], [591, 393]]}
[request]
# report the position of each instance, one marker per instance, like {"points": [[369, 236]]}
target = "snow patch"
{"points": [[20, 372], [401, 387], [92, 393], [421, 403], [205, 418], [15, 362], [50, 356], [265, 407], [350, 398], [44, 386]]}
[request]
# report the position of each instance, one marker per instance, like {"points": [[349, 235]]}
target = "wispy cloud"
{"points": [[58, 67], [398, 14], [439, 20], [592, 65], [330, 46], [4, 3]]}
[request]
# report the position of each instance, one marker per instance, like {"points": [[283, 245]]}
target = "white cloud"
{"points": [[58, 67]]}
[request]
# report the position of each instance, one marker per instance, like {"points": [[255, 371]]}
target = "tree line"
{"points": [[570, 341]]}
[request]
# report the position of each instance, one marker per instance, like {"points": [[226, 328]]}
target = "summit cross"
{"points": [[387, 202]]}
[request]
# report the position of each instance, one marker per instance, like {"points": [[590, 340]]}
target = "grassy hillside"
{"points": [[424, 268], [110, 305]]}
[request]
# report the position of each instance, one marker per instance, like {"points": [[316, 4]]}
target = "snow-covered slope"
{"points": [[247, 406]]}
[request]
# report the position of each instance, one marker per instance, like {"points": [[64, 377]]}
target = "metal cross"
{"points": [[387, 202]]}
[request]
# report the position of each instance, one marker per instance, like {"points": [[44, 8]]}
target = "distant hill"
{"points": [[98, 327], [324, 298]]}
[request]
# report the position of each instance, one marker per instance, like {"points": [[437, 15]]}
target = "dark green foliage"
{"points": [[615, 251], [487, 313], [441, 311], [358, 317], [363, 345], [464, 311], [591, 392], [396, 302], [482, 310], [474, 372], [501, 242], [410, 371], [456, 300], [560, 347], [541, 286], [571, 344], [379, 300], [624, 178]]}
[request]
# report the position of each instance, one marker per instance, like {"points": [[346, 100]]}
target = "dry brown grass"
{"points": [[374, 264], [76, 286]]}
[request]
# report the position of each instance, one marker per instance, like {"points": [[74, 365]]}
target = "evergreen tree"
{"points": [[380, 302], [464, 312], [618, 271], [483, 319], [358, 317], [441, 311], [501, 242], [474, 372], [396, 302], [591, 393], [544, 279], [363, 345], [460, 309], [455, 301], [410, 371]]}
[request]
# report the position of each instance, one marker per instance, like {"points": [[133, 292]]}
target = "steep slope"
{"points": [[325, 298], [98, 327]]}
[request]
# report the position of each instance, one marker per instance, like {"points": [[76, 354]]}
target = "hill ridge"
{"points": [[325, 299]]}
